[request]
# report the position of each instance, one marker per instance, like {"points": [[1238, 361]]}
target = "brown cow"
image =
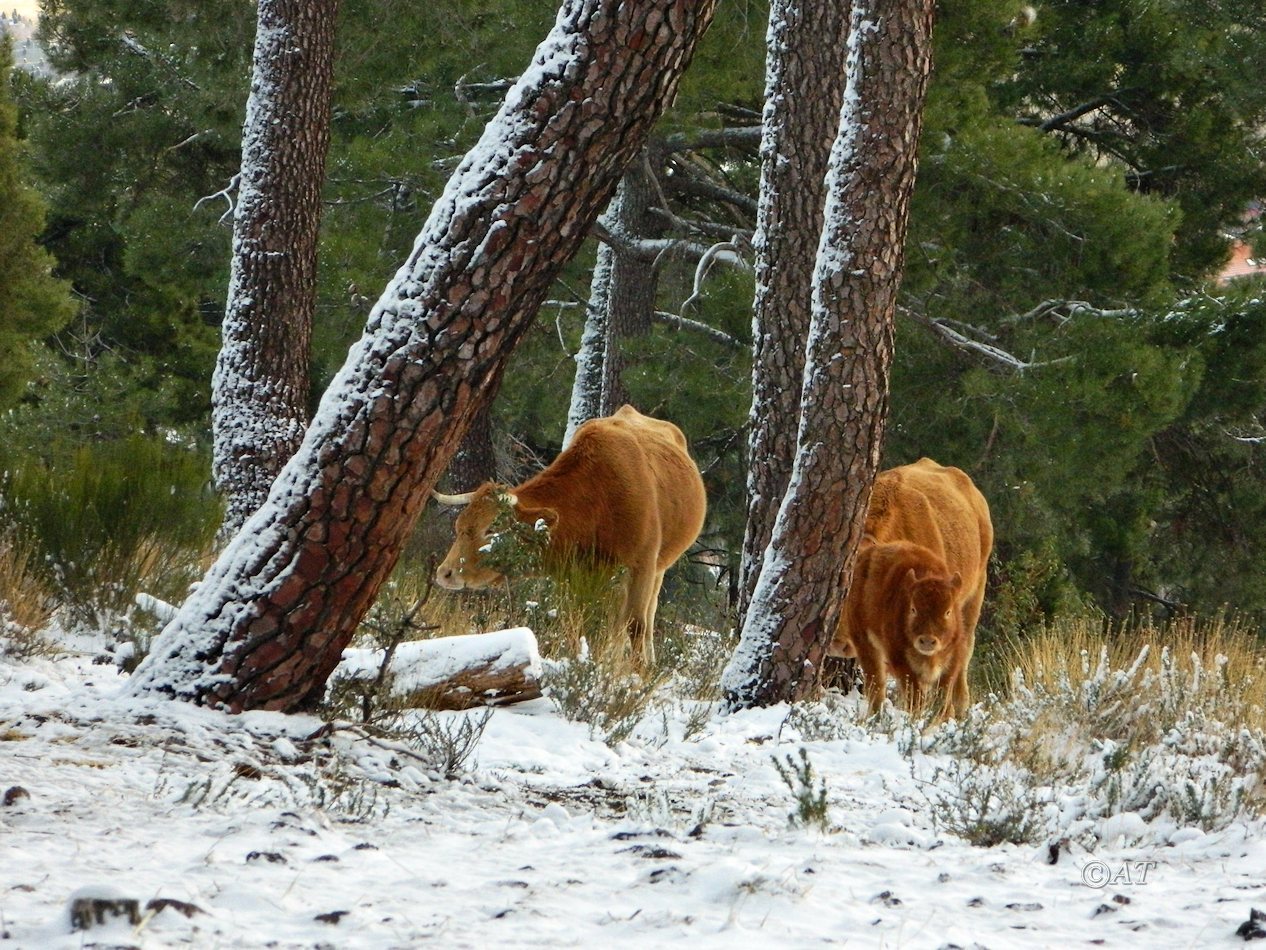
{"points": [[918, 585], [625, 492]]}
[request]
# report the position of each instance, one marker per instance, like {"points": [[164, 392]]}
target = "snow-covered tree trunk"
{"points": [[269, 621], [804, 91], [621, 300], [260, 387], [586, 388], [844, 399]]}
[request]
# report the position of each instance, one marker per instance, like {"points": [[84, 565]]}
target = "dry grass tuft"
{"points": [[1215, 668], [26, 604]]}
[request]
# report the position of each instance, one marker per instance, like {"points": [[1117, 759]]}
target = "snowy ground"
{"points": [[553, 839]]}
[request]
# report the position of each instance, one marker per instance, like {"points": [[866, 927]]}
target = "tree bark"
{"points": [[261, 385], [844, 401], [803, 94], [631, 289], [269, 622], [621, 301], [475, 460], [586, 389]]}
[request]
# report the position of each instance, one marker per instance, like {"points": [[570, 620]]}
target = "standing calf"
{"points": [[918, 585]]}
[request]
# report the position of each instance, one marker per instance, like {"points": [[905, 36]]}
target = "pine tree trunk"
{"points": [[586, 390], [804, 91], [631, 289], [621, 302], [271, 618], [475, 460], [844, 402], [260, 388]]}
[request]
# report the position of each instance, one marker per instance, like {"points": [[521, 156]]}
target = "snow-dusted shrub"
{"points": [[696, 658], [1162, 724], [612, 702], [811, 807], [986, 804]]}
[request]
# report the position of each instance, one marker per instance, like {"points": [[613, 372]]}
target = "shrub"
{"points": [[26, 605], [111, 520], [612, 702], [808, 793], [1163, 722]]}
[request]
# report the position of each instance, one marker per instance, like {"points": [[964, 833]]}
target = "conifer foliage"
{"points": [[32, 302]]}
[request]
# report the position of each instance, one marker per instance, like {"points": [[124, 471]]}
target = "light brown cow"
{"points": [[918, 585], [625, 492]]}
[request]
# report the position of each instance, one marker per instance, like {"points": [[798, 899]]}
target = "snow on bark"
{"points": [[586, 390], [496, 668], [807, 45], [843, 402], [269, 622], [260, 385]]}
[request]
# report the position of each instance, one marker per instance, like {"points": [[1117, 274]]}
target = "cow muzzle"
{"points": [[449, 578], [927, 645]]}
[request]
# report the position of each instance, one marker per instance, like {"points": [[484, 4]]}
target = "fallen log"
{"points": [[483, 669]]}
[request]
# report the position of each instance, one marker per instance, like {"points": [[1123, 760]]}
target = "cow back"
{"points": [[938, 507], [625, 490]]}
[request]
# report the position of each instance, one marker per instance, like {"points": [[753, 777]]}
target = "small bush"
{"points": [[808, 794], [112, 520], [26, 605], [610, 701], [1161, 722]]}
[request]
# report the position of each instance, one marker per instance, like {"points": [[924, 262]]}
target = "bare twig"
{"points": [[226, 194]]}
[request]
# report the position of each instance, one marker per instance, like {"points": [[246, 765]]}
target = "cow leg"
{"points": [[653, 607], [959, 692], [639, 612], [874, 671]]}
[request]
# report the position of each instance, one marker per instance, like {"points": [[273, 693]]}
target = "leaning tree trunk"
{"points": [[271, 618], [804, 91], [260, 387], [844, 402], [475, 460]]}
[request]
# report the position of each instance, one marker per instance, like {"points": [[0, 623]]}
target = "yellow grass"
{"points": [[24, 599], [1215, 667]]}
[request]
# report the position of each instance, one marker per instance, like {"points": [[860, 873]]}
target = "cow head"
{"points": [[933, 619], [466, 566]]}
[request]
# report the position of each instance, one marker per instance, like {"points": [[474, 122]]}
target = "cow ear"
{"points": [[910, 578], [533, 516], [956, 581]]}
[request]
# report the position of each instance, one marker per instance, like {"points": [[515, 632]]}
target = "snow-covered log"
{"points": [[482, 669]]}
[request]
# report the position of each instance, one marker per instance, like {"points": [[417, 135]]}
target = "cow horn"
{"points": [[453, 500]]}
